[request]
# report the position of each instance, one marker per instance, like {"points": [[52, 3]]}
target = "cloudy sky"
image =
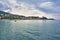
{"points": [[48, 8]]}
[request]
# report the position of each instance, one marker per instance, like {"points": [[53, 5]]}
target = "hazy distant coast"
{"points": [[5, 15]]}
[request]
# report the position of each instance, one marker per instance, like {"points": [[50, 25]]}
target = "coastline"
{"points": [[5, 15], [27, 19]]}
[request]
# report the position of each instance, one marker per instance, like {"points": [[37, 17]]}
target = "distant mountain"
{"points": [[7, 15], [2, 12]]}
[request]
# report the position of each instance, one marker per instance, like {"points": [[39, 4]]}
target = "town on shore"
{"points": [[6, 15]]}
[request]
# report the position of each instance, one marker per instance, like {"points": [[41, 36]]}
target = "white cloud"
{"points": [[50, 6], [12, 1], [47, 5], [24, 9], [28, 10]]}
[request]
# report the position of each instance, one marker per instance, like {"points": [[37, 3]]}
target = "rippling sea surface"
{"points": [[30, 30]]}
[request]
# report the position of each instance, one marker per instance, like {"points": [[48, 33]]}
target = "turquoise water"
{"points": [[30, 30]]}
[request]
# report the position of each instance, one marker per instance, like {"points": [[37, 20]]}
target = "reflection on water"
{"points": [[29, 30]]}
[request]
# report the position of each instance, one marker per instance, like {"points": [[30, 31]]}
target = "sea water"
{"points": [[30, 30]]}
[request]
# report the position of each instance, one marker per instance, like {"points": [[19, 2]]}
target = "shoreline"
{"points": [[27, 19]]}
